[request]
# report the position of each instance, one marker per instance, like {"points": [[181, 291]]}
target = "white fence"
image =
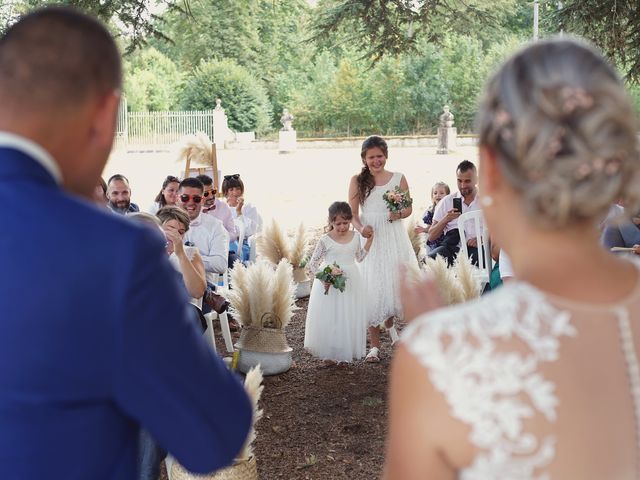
{"points": [[160, 128]]}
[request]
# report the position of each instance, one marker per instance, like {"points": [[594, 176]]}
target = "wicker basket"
{"points": [[268, 338], [245, 470]]}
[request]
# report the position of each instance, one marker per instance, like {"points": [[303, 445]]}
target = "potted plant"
{"points": [[274, 247], [262, 300], [244, 466]]}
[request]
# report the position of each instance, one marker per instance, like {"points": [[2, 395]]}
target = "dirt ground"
{"points": [[322, 423]]}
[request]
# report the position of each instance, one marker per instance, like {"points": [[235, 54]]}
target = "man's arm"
{"points": [[166, 377], [441, 218]]}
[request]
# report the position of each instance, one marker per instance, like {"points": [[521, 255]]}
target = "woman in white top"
{"points": [[187, 260], [540, 378], [168, 194]]}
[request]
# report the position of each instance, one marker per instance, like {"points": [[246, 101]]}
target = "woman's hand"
{"points": [[239, 205], [366, 231], [395, 216], [419, 297], [176, 240]]}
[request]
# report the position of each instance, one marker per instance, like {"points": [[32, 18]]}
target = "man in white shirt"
{"points": [[445, 216], [206, 233]]}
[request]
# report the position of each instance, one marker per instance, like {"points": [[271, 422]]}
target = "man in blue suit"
{"points": [[95, 339]]}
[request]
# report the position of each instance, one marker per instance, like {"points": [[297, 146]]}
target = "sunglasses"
{"points": [[211, 192], [235, 176], [184, 198]]}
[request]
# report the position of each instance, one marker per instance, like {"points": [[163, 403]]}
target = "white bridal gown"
{"points": [[543, 384]]}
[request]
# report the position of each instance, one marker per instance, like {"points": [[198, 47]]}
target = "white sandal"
{"points": [[393, 333], [373, 355]]}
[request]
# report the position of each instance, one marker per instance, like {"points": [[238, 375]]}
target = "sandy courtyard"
{"points": [[297, 186]]}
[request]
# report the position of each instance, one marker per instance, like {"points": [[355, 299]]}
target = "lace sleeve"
{"points": [[317, 257], [360, 252]]}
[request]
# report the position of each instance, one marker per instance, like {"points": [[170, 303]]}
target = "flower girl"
{"points": [[336, 318]]}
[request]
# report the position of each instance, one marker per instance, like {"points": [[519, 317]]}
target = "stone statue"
{"points": [[218, 105], [446, 119], [286, 120]]}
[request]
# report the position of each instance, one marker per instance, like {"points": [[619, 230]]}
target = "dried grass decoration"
{"points": [[274, 247], [456, 284], [418, 240], [197, 147], [244, 467], [263, 301]]}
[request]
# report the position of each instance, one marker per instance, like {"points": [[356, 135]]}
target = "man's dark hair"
{"points": [[205, 179], [118, 177], [465, 166], [57, 57], [191, 182]]}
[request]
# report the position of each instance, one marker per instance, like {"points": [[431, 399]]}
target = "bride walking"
{"points": [[392, 247]]}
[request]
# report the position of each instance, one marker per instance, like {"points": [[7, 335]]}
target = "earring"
{"points": [[486, 200]]}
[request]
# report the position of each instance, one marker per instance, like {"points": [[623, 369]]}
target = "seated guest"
{"points": [[233, 190], [119, 194], [622, 235], [445, 216], [220, 210], [208, 235], [168, 194], [438, 192]]}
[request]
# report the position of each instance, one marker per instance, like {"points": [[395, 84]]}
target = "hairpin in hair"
{"points": [[574, 98]]}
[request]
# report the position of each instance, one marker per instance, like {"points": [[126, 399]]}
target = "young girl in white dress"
{"points": [[336, 322], [392, 247]]}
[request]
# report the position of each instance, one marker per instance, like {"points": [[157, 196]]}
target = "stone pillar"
{"points": [[287, 141]]}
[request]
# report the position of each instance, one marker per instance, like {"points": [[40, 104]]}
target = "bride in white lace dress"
{"points": [[392, 246], [539, 379]]}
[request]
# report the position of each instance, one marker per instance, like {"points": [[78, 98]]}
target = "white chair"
{"points": [[253, 250], [483, 271], [224, 319]]}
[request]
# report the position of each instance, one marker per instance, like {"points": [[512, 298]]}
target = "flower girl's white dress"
{"points": [[336, 322]]}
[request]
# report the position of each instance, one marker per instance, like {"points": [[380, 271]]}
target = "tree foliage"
{"points": [[243, 96], [152, 81]]}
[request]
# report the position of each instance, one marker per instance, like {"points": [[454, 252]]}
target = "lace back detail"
{"points": [[462, 349]]}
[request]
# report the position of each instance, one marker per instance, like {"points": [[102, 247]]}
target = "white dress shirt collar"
{"points": [[35, 151]]}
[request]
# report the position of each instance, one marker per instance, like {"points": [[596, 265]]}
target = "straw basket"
{"points": [[265, 346], [245, 470]]}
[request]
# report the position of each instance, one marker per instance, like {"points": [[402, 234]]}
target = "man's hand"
{"points": [[636, 249], [472, 242], [452, 214]]}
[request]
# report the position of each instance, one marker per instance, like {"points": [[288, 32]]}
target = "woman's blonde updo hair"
{"points": [[564, 132]]}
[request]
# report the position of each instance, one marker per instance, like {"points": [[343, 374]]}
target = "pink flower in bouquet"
{"points": [[335, 271]]}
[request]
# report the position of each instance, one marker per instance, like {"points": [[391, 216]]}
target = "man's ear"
{"points": [[105, 116]]}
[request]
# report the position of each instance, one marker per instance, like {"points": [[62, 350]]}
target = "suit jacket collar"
{"points": [[33, 150]]}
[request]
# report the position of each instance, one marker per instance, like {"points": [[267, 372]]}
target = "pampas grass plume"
{"points": [[271, 244], [469, 285], [261, 287], [240, 294], [253, 386], [283, 293], [418, 240], [197, 147]]}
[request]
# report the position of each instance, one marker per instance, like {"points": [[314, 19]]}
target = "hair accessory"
{"points": [[575, 98]]}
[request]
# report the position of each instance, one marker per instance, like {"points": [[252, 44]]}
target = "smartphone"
{"points": [[457, 204]]}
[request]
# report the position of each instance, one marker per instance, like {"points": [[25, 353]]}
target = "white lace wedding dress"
{"points": [[541, 383], [391, 248]]}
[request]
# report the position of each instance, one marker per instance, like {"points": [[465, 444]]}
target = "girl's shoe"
{"points": [[393, 333], [373, 355]]}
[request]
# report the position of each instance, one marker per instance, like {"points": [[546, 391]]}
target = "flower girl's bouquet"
{"points": [[332, 275], [397, 200]]}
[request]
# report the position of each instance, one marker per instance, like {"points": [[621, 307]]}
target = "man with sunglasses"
{"points": [[208, 235], [216, 207], [108, 346]]}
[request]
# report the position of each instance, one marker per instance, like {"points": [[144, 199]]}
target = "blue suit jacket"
{"points": [[95, 339]]}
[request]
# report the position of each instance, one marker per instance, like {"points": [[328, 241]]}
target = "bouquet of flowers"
{"points": [[397, 200], [332, 275]]}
